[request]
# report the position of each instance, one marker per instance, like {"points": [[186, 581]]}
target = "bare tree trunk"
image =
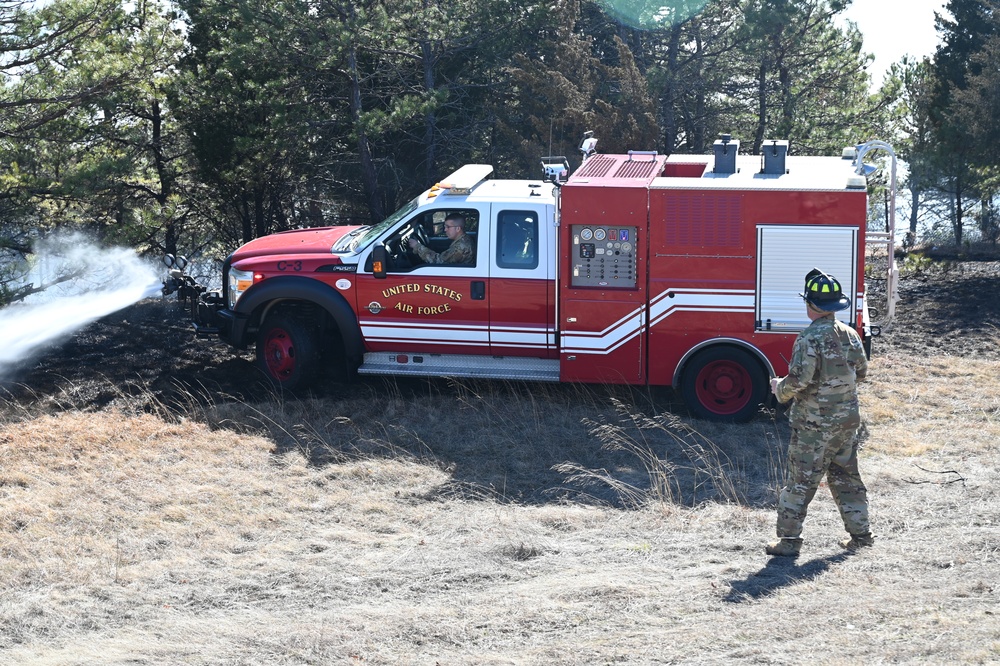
{"points": [[261, 228], [699, 141], [911, 236], [670, 128], [163, 175], [758, 139], [784, 129], [369, 178], [430, 119], [246, 221], [958, 223], [988, 219]]}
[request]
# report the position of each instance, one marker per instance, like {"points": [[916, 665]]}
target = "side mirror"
{"points": [[378, 261]]}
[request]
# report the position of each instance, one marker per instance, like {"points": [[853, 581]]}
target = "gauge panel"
{"points": [[603, 256]]}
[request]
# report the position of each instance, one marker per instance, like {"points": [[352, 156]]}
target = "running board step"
{"points": [[458, 365]]}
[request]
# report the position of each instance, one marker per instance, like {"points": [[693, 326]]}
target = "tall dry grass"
{"points": [[487, 523]]}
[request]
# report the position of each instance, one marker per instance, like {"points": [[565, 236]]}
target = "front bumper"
{"points": [[228, 325], [214, 319]]}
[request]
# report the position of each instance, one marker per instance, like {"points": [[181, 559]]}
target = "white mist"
{"points": [[105, 281]]}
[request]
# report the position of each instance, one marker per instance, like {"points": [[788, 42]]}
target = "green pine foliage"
{"points": [[195, 125]]}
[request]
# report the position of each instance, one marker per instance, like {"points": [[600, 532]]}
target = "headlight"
{"points": [[239, 281]]}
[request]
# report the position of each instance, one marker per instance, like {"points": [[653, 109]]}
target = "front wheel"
{"points": [[724, 384], [287, 352]]}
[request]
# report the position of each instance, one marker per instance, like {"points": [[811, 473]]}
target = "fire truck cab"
{"points": [[493, 316]]}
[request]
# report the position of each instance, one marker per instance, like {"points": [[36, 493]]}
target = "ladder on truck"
{"points": [[885, 240]]}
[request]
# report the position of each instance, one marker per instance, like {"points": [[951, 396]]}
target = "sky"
{"points": [[894, 28]]}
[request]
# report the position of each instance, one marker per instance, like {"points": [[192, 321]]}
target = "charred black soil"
{"points": [[948, 308], [137, 357], [146, 356]]}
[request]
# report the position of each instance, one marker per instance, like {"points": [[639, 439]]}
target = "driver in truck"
{"points": [[459, 252]]}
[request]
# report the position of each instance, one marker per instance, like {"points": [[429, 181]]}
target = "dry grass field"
{"points": [[486, 523]]}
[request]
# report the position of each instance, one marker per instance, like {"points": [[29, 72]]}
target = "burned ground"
{"points": [[146, 355], [950, 308], [141, 353]]}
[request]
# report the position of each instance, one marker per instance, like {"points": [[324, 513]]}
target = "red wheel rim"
{"points": [[724, 387], [279, 354]]}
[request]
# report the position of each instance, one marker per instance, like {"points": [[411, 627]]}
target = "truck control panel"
{"points": [[604, 256]]}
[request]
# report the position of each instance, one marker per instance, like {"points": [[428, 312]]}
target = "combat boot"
{"points": [[857, 541], [784, 548]]}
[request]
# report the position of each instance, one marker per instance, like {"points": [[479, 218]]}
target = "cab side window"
{"points": [[517, 239], [432, 241]]}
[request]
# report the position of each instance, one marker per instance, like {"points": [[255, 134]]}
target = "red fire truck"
{"points": [[679, 271]]}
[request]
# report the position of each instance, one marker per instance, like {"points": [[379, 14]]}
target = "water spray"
{"points": [[87, 282]]}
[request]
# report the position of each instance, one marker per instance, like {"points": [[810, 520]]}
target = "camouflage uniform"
{"points": [[827, 361], [459, 252]]}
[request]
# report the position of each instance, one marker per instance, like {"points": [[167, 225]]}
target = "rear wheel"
{"points": [[287, 352], [724, 384]]}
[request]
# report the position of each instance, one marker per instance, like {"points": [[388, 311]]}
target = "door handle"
{"points": [[478, 290]]}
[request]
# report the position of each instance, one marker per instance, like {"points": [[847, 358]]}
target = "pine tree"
{"points": [[961, 100]]}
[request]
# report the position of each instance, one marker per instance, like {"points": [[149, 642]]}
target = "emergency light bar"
{"points": [[463, 180]]}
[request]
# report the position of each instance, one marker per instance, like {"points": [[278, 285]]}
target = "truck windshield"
{"points": [[364, 236]]}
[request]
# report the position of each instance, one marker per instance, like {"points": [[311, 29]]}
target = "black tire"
{"points": [[287, 352], [724, 384], [333, 360]]}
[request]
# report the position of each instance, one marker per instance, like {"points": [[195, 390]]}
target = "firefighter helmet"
{"points": [[823, 292]]}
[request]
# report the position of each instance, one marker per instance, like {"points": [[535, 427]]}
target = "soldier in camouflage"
{"points": [[827, 360], [461, 250]]}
